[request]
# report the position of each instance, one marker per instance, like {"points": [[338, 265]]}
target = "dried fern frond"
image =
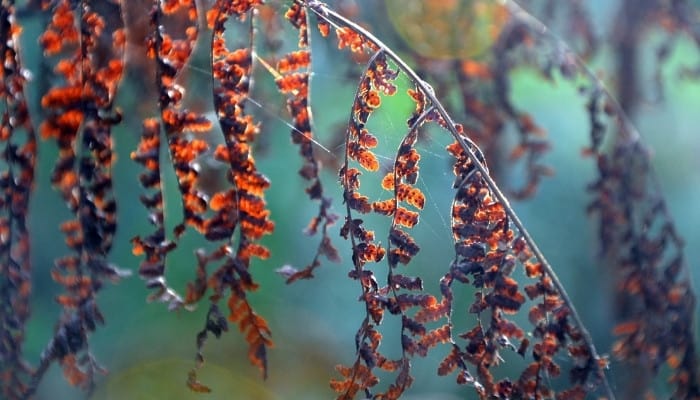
{"points": [[19, 153], [637, 238], [517, 311], [488, 255], [295, 81], [80, 118]]}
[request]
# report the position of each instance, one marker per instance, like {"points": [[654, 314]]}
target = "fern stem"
{"points": [[322, 11]]}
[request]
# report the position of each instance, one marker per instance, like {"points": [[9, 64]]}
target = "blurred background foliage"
{"points": [[148, 350]]}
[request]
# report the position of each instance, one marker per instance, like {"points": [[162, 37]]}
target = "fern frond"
{"points": [[80, 118], [295, 81], [478, 201], [516, 308], [638, 238], [243, 206], [19, 153]]}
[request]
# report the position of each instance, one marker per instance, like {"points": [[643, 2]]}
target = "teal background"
{"points": [[149, 350]]}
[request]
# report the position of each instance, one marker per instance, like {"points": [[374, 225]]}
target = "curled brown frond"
{"points": [[19, 150], [637, 236], [295, 80], [639, 243], [498, 300], [242, 206], [155, 246], [170, 54], [80, 118], [490, 242]]}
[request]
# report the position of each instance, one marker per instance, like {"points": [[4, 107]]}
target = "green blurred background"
{"points": [[149, 350]]}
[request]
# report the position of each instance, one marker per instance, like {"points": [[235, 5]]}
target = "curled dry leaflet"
{"points": [[519, 310]]}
